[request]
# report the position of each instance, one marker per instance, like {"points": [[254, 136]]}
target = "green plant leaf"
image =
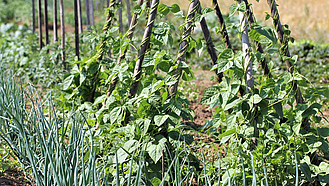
{"points": [[116, 115], [160, 119], [131, 145], [137, 9], [155, 181], [163, 9], [296, 128], [242, 6], [323, 132], [154, 148], [211, 95], [233, 9], [256, 98], [233, 102], [278, 108], [122, 156], [67, 82], [175, 8], [100, 99], [227, 133], [307, 172], [224, 61]]}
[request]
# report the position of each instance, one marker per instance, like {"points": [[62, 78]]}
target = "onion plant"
{"points": [[52, 150]]}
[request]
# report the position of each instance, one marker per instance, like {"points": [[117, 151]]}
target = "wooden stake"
{"points": [[40, 24], [33, 16], [277, 24], [101, 52], [144, 46], [128, 10], [80, 17], [76, 28], [46, 21], [247, 64], [210, 45], [279, 29], [222, 25], [194, 6], [91, 13], [130, 32], [258, 46], [120, 16], [87, 14], [61, 9], [246, 50], [55, 21]]}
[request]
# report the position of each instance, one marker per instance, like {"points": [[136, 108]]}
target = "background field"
{"points": [[307, 19]]}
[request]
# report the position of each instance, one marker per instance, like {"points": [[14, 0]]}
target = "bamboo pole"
{"points": [[46, 21], [76, 28], [61, 9], [246, 51], [279, 29], [55, 20], [120, 16], [96, 4], [80, 17], [130, 34], [247, 64], [33, 16], [128, 10], [222, 25], [210, 45], [91, 13], [144, 46], [194, 6], [40, 24], [277, 24], [224, 33], [101, 51], [258, 46], [87, 14]]}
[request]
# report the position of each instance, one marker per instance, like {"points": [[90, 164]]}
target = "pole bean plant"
{"points": [[116, 115]]}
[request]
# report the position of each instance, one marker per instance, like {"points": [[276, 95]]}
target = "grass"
{"points": [[307, 19]]}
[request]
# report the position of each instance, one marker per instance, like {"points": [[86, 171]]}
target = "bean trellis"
{"points": [[132, 89]]}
